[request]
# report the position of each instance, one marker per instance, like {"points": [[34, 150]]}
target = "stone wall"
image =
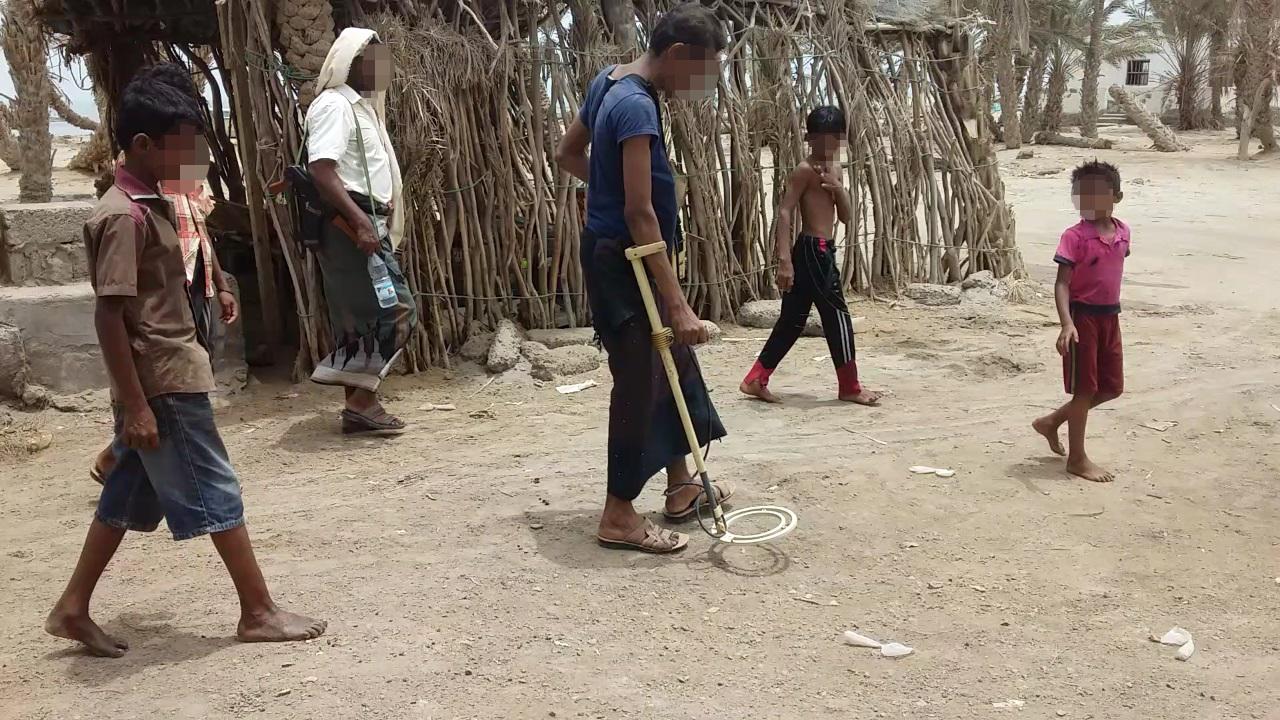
{"points": [[52, 326], [43, 244]]}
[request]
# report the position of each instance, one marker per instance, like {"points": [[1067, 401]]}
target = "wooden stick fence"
{"points": [[492, 232]]}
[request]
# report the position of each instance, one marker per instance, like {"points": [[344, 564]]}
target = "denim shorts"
{"points": [[188, 480]]}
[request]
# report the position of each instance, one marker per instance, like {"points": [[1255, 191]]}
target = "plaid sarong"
{"points": [[367, 338]]}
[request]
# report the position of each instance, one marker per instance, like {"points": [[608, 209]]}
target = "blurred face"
{"points": [[827, 146], [689, 72], [371, 72], [179, 158], [1094, 197]]}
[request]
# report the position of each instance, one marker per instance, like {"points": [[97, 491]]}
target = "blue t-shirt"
{"points": [[615, 111]]}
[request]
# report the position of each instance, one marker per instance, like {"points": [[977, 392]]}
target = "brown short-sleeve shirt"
{"points": [[134, 253]]}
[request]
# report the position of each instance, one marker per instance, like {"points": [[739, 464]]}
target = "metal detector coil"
{"points": [[662, 340]]}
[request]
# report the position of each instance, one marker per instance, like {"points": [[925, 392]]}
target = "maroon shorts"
{"points": [[1095, 364]]}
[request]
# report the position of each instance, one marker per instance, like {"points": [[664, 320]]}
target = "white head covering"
{"points": [[334, 74]]}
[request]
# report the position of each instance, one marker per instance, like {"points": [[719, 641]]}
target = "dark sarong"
{"points": [[645, 433], [367, 337]]}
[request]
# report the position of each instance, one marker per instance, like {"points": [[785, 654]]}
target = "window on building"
{"points": [[1138, 73]]}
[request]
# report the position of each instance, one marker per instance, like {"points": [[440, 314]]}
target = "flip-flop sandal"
{"points": [[381, 423], [724, 491], [648, 538]]}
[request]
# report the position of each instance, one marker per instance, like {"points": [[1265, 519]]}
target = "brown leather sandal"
{"points": [[724, 491], [376, 421], [648, 538]]}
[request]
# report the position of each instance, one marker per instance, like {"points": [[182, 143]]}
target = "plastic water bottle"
{"points": [[383, 288]]}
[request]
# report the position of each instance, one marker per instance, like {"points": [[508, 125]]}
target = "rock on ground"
{"points": [[476, 348], [563, 338], [764, 314], [504, 353], [550, 363], [714, 333], [87, 401], [1026, 154], [35, 397], [932, 295], [984, 279]]}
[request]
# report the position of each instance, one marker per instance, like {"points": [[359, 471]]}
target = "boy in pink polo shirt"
{"points": [[1090, 261]]}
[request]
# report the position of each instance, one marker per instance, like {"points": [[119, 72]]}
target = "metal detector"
{"points": [[662, 340]]}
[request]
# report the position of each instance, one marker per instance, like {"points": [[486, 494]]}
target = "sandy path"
{"points": [[456, 567]]}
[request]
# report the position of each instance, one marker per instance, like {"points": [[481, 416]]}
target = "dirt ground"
{"points": [[67, 184], [457, 569]]}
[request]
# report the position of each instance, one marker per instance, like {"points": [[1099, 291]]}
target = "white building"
{"points": [[1148, 78]]}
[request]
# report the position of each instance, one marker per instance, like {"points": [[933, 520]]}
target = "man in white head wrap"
{"points": [[354, 168]]}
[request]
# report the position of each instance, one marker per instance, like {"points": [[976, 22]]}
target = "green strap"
{"points": [[364, 162]]}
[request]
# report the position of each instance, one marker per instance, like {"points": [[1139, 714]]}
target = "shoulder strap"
{"points": [[364, 161]]}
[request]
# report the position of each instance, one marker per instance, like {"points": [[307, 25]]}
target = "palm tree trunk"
{"points": [[1035, 93], [1092, 69], [25, 48], [96, 156], [1161, 136], [305, 29], [1007, 80], [64, 110], [1051, 121], [1217, 76], [10, 152], [1256, 92], [620, 18], [1188, 84]]}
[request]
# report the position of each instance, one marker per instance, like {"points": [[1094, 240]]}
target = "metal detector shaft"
{"points": [[662, 340]]}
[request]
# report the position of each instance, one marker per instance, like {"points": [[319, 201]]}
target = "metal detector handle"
{"points": [[662, 340]]}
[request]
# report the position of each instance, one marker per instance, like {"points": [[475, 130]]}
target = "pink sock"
{"points": [[760, 374], [848, 377]]}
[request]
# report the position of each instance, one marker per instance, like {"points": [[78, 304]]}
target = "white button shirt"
{"points": [[331, 135]]}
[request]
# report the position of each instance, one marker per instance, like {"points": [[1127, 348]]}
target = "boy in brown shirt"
{"points": [[169, 459]]}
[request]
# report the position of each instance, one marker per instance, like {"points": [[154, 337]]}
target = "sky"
{"points": [[81, 100]]}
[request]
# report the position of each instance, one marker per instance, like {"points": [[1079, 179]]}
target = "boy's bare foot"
{"points": [[84, 630], [1045, 427], [1084, 468], [279, 626], [863, 397], [758, 391]]}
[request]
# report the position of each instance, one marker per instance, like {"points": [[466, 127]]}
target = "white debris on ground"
{"points": [[1181, 638]]}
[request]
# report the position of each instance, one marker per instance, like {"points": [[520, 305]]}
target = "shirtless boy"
{"points": [[807, 272]]}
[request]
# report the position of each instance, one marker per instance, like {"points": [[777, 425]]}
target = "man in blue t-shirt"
{"points": [[631, 200]]}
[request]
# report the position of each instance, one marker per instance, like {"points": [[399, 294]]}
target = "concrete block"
{"points": [[563, 338], [764, 314], [504, 353], [13, 362], [932, 295], [43, 243], [57, 330], [61, 342]]}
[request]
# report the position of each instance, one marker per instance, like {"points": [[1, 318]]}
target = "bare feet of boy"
{"points": [[864, 397], [1085, 468], [1045, 427], [279, 626], [84, 630], [758, 391]]}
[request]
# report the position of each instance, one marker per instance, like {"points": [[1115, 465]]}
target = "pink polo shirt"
{"points": [[1097, 264]]}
